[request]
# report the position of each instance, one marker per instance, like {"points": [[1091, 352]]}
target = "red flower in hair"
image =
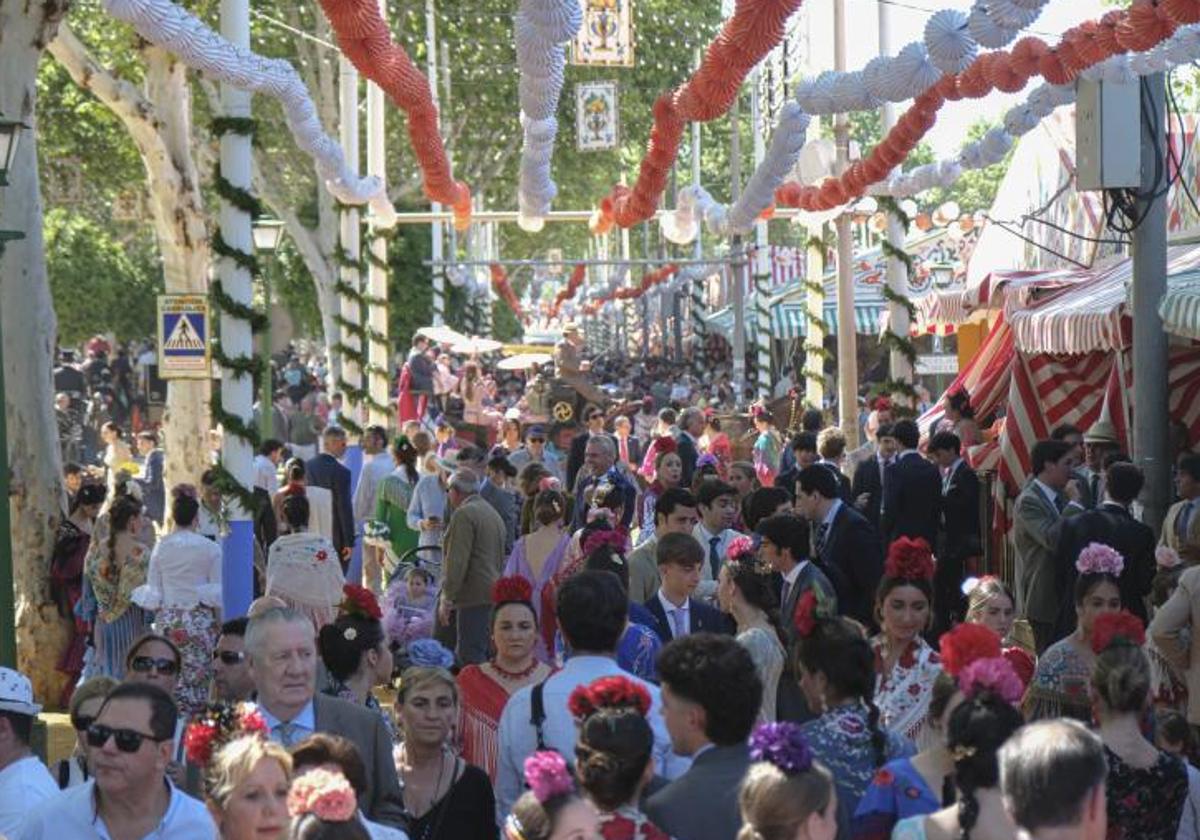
{"points": [[609, 693], [512, 589], [965, 644], [595, 539], [1117, 628], [359, 601], [882, 404], [909, 559], [664, 445], [805, 617]]}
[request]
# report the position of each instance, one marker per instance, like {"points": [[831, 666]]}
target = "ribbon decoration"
{"points": [[540, 29], [505, 290], [181, 33], [366, 41], [1137, 29], [649, 281], [756, 27], [565, 294]]}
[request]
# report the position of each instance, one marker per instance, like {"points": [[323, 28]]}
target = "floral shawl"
{"points": [[114, 591], [1060, 684], [903, 695]]}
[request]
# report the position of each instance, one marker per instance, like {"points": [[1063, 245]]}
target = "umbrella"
{"points": [[472, 346], [442, 335], [524, 361]]}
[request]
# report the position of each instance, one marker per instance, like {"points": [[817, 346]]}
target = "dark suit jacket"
{"points": [[869, 480], [853, 558], [1112, 525], [325, 471], [912, 499], [789, 700], [702, 804], [689, 454], [365, 729], [576, 453], [420, 372], [635, 452], [960, 537], [154, 494], [505, 504], [703, 618], [843, 482], [630, 505]]}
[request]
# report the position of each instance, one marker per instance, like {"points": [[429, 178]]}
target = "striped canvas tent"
{"points": [[1180, 306]]}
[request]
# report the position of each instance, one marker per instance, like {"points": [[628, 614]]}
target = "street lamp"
{"points": [[267, 234], [9, 132]]}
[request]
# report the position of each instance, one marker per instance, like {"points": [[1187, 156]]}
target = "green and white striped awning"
{"points": [[1180, 306], [788, 320]]}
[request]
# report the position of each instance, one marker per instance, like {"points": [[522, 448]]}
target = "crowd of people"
{"points": [[650, 627]]}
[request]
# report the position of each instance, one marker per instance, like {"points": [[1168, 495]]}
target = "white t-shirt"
{"points": [[23, 784]]}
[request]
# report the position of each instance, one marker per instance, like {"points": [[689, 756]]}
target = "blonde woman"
{"points": [[247, 782], [990, 602]]}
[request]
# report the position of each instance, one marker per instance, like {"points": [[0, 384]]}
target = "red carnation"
{"points": [[360, 601], [1117, 628], [664, 445], [965, 644], [609, 693], [253, 721], [198, 742], [512, 589], [909, 559], [805, 617]]}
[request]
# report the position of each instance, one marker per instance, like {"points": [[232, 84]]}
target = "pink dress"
{"points": [[544, 590]]}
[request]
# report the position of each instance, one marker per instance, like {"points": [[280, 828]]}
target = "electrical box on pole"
{"points": [[1107, 135]]}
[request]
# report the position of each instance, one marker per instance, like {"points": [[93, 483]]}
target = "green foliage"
{"points": [[97, 284]]}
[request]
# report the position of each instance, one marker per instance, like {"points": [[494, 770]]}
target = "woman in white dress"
{"points": [[302, 567], [320, 500], [744, 591]]}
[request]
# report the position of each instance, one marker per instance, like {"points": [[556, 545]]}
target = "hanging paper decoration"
{"points": [[606, 36], [540, 29], [504, 291], [596, 116], [366, 41], [573, 284], [181, 33]]}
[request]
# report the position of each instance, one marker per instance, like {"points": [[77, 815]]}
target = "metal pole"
{"points": [[738, 264], [847, 352], [1151, 437], [762, 257], [237, 390], [266, 389], [379, 371], [897, 274], [439, 275]]}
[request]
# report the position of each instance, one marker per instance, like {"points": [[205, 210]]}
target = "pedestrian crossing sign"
{"points": [[183, 351]]}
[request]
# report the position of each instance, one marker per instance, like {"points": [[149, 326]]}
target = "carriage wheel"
{"points": [[563, 411]]}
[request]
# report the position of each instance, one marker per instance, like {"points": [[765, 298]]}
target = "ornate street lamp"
{"points": [[10, 130], [267, 234]]}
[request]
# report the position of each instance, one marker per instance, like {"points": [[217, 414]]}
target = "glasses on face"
{"points": [[146, 664], [229, 657], [537, 440], [127, 740], [82, 723]]}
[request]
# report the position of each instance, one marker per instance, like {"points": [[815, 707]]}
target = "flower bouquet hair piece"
{"points": [[1119, 628], [909, 559], [995, 674], [966, 644], [513, 589], [429, 653], [323, 794], [359, 602], [608, 693], [604, 536], [811, 608], [782, 744], [1100, 559], [219, 724], [548, 776]]}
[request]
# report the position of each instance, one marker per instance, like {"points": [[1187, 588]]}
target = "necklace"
{"points": [[514, 675]]}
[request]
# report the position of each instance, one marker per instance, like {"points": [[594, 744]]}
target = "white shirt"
{"points": [[265, 474], [517, 738], [23, 784], [707, 589], [670, 610], [72, 814], [378, 831], [366, 492], [185, 570]]}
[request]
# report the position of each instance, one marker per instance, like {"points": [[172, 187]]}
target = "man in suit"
{"points": [[691, 426], [150, 477], [593, 419], [676, 613], [1111, 524], [845, 545], [493, 492], [629, 448], [420, 374], [912, 490], [867, 487], [325, 471], [282, 652], [674, 513], [959, 531], [711, 695], [804, 454], [1099, 441], [599, 457], [717, 503], [472, 560], [785, 546], [1038, 516], [831, 446], [1181, 527], [1176, 634]]}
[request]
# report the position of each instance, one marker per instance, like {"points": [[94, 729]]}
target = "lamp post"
{"points": [[267, 233], [9, 133]]}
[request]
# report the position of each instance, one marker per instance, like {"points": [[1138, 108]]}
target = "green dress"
{"points": [[391, 509]]}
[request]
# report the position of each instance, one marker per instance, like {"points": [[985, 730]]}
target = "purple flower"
{"points": [[782, 744]]}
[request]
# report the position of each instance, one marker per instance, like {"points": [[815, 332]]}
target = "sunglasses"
{"points": [[229, 657], [146, 664], [83, 723], [127, 740], [537, 440]]}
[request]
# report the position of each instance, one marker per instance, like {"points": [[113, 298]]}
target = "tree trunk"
{"points": [[29, 327]]}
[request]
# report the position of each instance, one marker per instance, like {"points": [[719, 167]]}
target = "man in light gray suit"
{"points": [[282, 652], [711, 694], [1050, 497]]}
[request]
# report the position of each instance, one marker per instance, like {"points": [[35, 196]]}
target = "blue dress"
{"points": [[897, 792], [841, 742], [638, 649]]}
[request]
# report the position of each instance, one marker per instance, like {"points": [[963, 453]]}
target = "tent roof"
{"points": [[1180, 306]]}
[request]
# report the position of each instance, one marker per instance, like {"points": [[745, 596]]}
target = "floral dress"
{"points": [[1060, 683], [903, 695], [1145, 803], [766, 457], [628, 823], [897, 792]]}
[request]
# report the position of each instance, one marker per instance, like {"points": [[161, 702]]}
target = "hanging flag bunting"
{"points": [[596, 116], [606, 37]]}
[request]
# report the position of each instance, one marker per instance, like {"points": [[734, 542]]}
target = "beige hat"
{"points": [[1102, 431], [570, 327]]}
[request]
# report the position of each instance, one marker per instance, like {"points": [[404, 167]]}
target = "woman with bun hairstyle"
{"points": [[303, 567], [978, 727], [613, 757], [668, 472], [552, 808], [745, 591], [537, 557], [484, 689], [355, 651], [786, 794], [1146, 789], [905, 665], [320, 499], [183, 590], [1064, 671], [990, 602], [112, 575], [836, 670]]}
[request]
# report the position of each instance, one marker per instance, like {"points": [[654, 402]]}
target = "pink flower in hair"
{"points": [[324, 794], [996, 675], [547, 775], [549, 483], [739, 546], [1100, 559], [1166, 557]]}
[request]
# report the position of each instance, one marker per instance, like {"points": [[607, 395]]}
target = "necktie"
{"points": [[787, 590], [624, 442], [679, 620], [1184, 520], [822, 534], [286, 732], [1060, 502], [1095, 488], [714, 558]]}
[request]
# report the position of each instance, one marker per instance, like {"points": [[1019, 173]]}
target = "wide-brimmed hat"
{"points": [[16, 693], [1102, 431], [570, 327]]}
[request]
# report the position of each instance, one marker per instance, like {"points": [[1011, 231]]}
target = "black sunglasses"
{"points": [[127, 740], [83, 723], [229, 657], [146, 664], [537, 440]]}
